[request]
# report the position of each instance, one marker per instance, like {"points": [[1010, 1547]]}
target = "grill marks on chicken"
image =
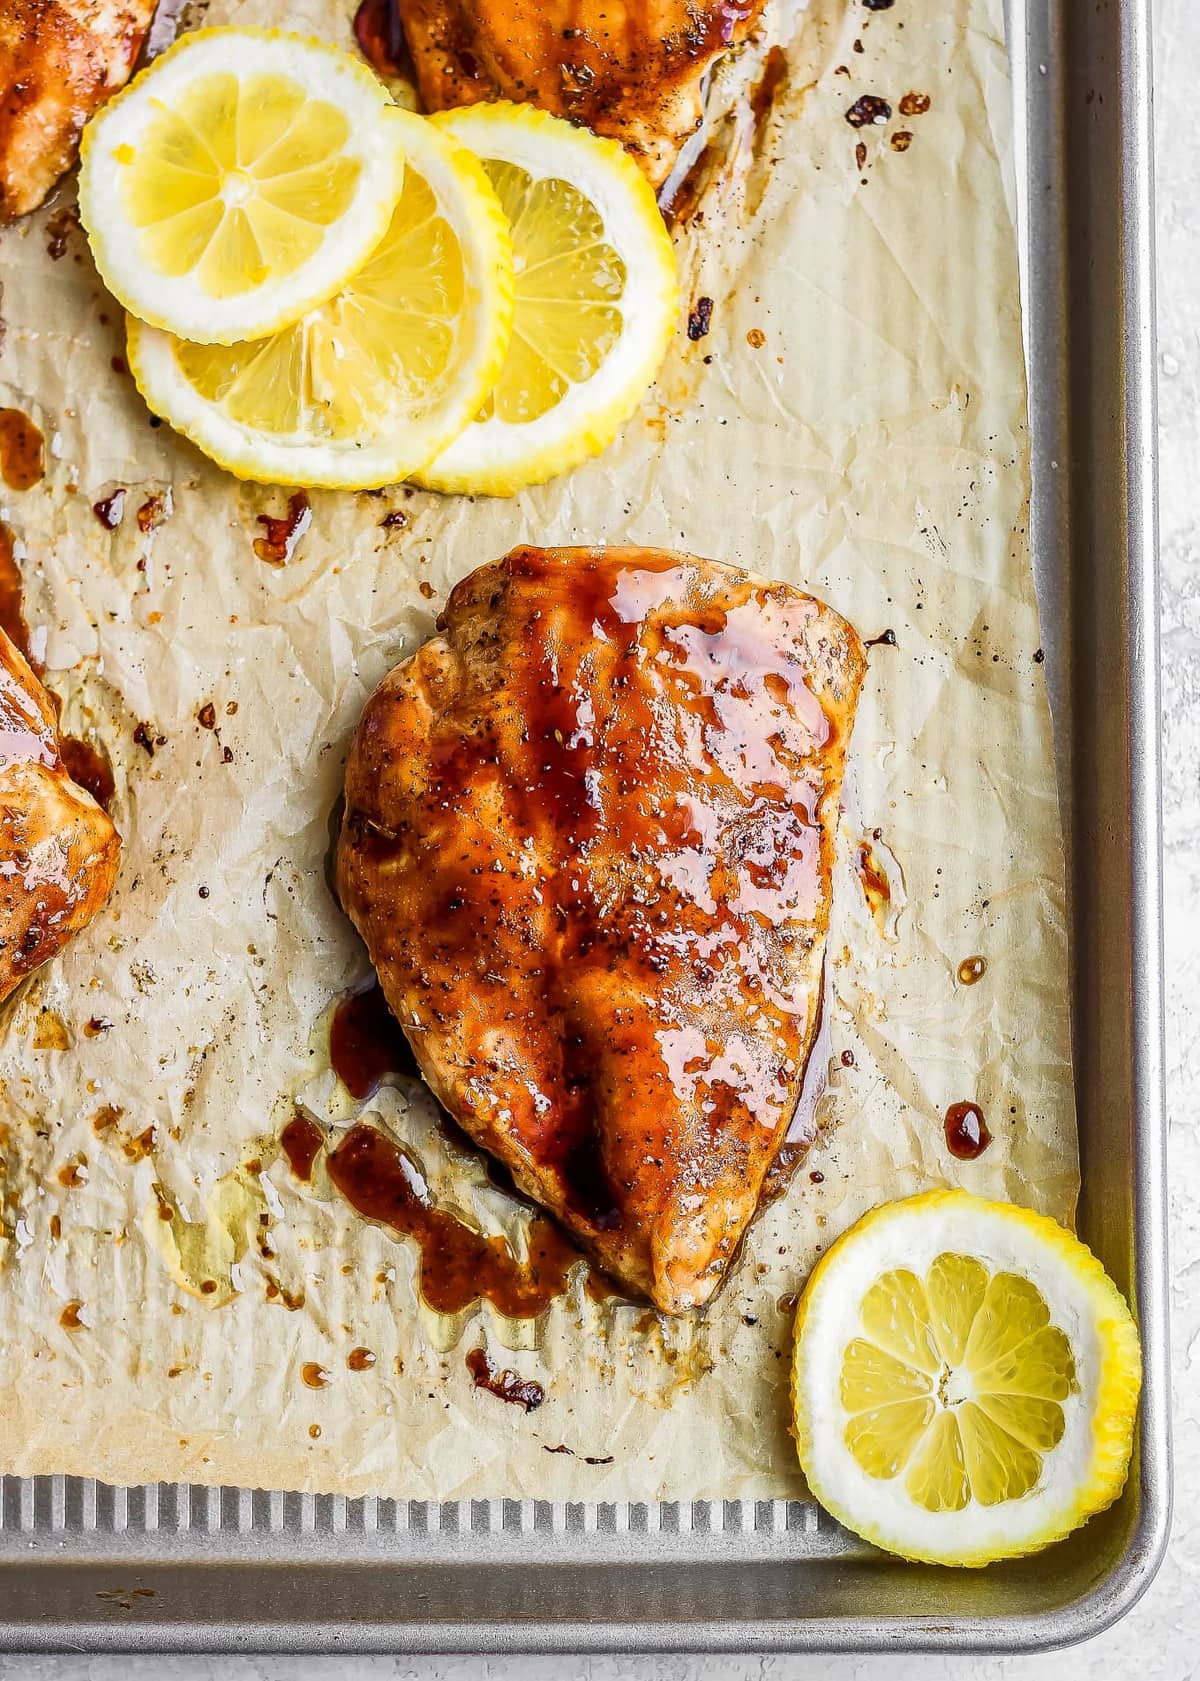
{"points": [[59, 61], [588, 840], [58, 850], [630, 69]]}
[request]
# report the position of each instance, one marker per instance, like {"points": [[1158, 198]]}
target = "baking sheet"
{"points": [[853, 421]]}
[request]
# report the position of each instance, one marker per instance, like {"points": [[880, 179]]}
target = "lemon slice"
{"points": [[375, 382], [597, 299], [237, 181], [965, 1381]]}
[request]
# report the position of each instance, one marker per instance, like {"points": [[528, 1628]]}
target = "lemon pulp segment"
{"points": [[237, 180], [956, 1383], [569, 283], [339, 371]]}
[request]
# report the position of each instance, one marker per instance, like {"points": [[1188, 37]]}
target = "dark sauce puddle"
{"points": [[459, 1266], [967, 1135], [367, 1043]]}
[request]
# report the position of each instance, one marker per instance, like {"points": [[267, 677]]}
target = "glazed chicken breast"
{"points": [[630, 69], [588, 840], [59, 61], [58, 850]]}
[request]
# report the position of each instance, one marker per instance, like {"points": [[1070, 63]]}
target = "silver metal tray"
{"points": [[88, 1567]]}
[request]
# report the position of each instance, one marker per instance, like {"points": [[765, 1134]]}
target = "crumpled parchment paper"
{"points": [[853, 421]]}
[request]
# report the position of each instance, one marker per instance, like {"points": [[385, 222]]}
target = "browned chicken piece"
{"points": [[58, 850], [59, 61], [588, 840], [631, 69]]}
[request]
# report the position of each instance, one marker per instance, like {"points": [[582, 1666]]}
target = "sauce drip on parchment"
{"points": [[302, 1140], [22, 450], [967, 1135], [458, 1266], [282, 532], [506, 1385]]}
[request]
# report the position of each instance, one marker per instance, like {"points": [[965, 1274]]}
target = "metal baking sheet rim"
{"points": [[54, 1525]]}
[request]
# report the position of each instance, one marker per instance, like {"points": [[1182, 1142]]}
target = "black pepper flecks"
{"points": [[868, 109], [700, 319]]}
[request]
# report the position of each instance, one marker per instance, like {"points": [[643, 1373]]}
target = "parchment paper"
{"points": [[854, 421]]}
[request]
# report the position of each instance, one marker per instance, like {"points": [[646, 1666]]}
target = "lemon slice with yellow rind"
{"points": [[965, 1380], [373, 383], [237, 181], [597, 299]]}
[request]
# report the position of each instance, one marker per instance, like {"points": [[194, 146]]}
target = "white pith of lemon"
{"points": [[373, 383], [965, 1380], [597, 299], [237, 181]]}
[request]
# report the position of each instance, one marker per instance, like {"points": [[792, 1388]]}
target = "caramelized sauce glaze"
{"points": [[607, 878], [59, 858], [726, 661], [764, 91], [110, 510], [635, 73], [873, 877]]}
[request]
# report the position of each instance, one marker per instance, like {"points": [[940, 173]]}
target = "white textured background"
{"points": [[1160, 1639]]}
